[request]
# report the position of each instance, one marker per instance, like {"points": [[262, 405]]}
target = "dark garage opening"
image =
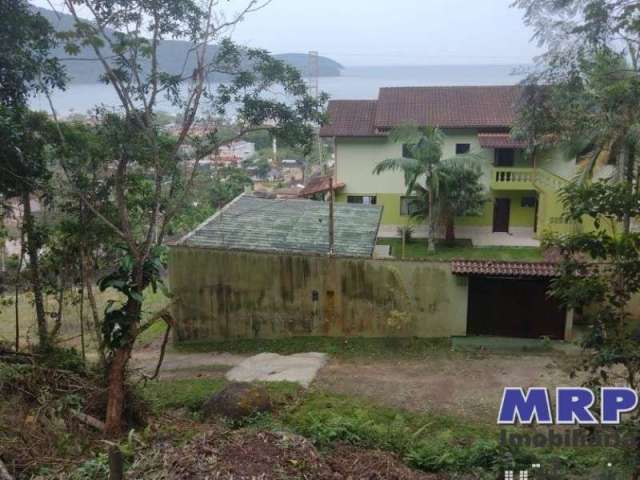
{"points": [[513, 307]]}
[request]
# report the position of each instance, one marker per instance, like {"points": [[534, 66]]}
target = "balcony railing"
{"points": [[513, 178]]}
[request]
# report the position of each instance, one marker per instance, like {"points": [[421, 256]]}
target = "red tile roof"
{"points": [[318, 185], [500, 140], [504, 269], [490, 107], [448, 107], [350, 118]]}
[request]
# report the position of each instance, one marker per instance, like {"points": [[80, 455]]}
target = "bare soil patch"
{"points": [[185, 365], [455, 384]]}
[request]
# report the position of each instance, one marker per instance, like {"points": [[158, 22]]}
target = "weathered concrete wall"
{"points": [[223, 294]]}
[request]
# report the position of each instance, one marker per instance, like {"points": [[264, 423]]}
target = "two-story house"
{"points": [[522, 191]]}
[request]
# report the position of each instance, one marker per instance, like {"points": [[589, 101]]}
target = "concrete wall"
{"points": [[223, 294]]}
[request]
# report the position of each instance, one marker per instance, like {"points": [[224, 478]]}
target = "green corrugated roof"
{"points": [[296, 226]]}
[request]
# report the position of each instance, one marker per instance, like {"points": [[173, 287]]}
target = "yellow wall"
{"points": [[357, 157]]}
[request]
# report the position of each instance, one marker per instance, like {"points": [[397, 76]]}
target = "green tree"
{"points": [[423, 168], [26, 39], [263, 167], [599, 276], [422, 151], [590, 102], [584, 96], [150, 186], [228, 183], [27, 167], [25, 68], [459, 193]]}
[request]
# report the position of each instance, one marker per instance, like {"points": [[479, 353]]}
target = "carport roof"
{"points": [[490, 268], [288, 226]]}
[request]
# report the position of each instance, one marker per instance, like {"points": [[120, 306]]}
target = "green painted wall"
{"points": [[390, 202], [356, 158], [223, 294]]}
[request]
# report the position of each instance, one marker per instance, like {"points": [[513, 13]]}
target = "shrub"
{"points": [[64, 359], [408, 232], [94, 469]]}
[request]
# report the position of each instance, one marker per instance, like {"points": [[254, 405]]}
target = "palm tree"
{"points": [[421, 154], [443, 189], [459, 192]]}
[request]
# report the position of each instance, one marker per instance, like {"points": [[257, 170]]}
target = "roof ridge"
{"points": [[449, 86]]}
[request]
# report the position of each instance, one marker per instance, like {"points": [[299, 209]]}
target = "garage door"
{"points": [[513, 308]]}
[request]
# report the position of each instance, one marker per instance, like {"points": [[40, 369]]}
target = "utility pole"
{"points": [[274, 146], [313, 76], [332, 234]]}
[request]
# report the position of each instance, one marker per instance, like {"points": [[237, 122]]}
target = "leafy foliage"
{"points": [[25, 65], [599, 276], [584, 93], [117, 324]]}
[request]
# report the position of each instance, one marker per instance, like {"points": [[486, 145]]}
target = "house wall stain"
{"points": [[231, 294]]}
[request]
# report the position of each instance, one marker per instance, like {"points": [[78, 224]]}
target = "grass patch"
{"points": [[433, 443], [152, 333], [180, 393], [337, 346], [193, 393], [418, 249]]}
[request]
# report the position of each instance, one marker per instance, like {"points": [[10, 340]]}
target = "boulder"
{"points": [[237, 401]]}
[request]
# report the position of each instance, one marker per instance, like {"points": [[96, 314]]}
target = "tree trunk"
{"points": [[87, 275], [116, 393], [58, 323], [17, 292], [627, 177], [118, 366], [450, 233], [432, 245], [34, 265]]}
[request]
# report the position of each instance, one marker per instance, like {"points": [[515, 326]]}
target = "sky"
{"points": [[389, 32]]}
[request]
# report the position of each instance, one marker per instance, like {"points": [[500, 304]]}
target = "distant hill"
{"points": [[171, 55]]}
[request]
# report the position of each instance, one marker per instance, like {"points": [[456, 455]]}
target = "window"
{"points": [[462, 148], [406, 151], [504, 157], [408, 206], [528, 202], [363, 199]]}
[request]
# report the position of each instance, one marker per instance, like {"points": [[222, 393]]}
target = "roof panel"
{"points": [[504, 269], [350, 118], [448, 107], [296, 226]]}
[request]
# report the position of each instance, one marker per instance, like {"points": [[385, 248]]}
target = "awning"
{"points": [[504, 269], [500, 140], [319, 185]]}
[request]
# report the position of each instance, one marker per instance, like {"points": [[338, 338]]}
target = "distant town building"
{"points": [[240, 149], [292, 170]]}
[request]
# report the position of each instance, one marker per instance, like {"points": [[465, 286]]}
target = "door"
{"points": [[512, 307], [501, 212]]}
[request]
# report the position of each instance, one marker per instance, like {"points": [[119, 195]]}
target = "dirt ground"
{"points": [[454, 383]]}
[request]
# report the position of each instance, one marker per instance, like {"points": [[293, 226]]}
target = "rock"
{"points": [[238, 401]]}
